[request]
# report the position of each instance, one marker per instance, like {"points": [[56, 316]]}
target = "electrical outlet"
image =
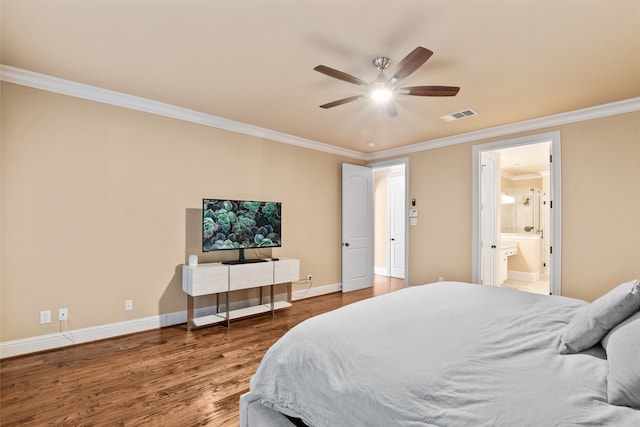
{"points": [[45, 317], [440, 279], [128, 305], [63, 314], [309, 278]]}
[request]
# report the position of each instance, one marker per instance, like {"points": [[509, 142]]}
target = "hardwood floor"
{"points": [[166, 377]]}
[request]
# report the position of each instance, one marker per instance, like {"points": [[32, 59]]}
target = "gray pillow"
{"points": [[623, 348], [593, 321]]}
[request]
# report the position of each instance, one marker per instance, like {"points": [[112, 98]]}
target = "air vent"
{"points": [[459, 115]]}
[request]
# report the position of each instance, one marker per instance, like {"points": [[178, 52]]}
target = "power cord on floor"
{"points": [[62, 332]]}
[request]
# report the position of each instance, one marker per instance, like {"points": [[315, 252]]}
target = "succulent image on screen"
{"points": [[240, 224]]}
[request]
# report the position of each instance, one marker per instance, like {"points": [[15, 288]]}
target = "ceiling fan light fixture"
{"points": [[381, 62], [381, 94], [383, 89]]}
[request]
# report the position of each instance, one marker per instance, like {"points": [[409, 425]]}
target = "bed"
{"points": [[456, 354]]}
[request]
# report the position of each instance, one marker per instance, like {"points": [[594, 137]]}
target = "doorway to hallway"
{"points": [[390, 222]]}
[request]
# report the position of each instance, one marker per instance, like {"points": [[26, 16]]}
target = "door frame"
{"points": [[396, 162], [555, 272]]}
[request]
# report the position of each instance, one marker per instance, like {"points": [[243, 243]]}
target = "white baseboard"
{"points": [[316, 291], [525, 276], [83, 335], [381, 271], [110, 330]]}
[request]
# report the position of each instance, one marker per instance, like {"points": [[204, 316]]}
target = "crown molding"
{"points": [[78, 90], [599, 111], [66, 87]]}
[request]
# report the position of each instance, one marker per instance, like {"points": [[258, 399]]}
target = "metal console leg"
{"points": [[272, 303], [228, 311], [190, 312]]}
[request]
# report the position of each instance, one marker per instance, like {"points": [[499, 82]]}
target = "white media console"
{"points": [[217, 278]]}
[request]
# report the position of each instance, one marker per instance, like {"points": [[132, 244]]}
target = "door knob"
{"points": [[346, 244]]}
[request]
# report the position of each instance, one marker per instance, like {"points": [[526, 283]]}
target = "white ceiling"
{"points": [[525, 160], [252, 61]]}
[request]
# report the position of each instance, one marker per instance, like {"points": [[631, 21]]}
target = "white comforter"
{"points": [[445, 354]]}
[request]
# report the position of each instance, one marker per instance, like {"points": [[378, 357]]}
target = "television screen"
{"points": [[240, 224]]}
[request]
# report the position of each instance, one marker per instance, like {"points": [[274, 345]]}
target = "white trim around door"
{"points": [[555, 274]]}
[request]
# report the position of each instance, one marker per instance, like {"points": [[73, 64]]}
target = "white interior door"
{"points": [[397, 219], [488, 223], [357, 227]]}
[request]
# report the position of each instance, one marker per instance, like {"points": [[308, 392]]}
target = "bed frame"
{"points": [[255, 414]]}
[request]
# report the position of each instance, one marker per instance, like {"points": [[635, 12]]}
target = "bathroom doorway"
{"points": [[524, 253], [524, 217]]}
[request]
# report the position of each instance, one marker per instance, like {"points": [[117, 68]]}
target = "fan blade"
{"points": [[410, 63], [429, 90], [341, 101], [340, 75]]}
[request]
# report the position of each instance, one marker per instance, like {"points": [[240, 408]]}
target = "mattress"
{"points": [[443, 354]]}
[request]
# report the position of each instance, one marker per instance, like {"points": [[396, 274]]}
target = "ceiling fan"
{"points": [[382, 88]]}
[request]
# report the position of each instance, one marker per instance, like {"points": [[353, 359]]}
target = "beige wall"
{"points": [[600, 207], [99, 205], [102, 204], [440, 244], [601, 204]]}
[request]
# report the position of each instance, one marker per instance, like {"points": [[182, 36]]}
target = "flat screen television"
{"points": [[240, 225]]}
